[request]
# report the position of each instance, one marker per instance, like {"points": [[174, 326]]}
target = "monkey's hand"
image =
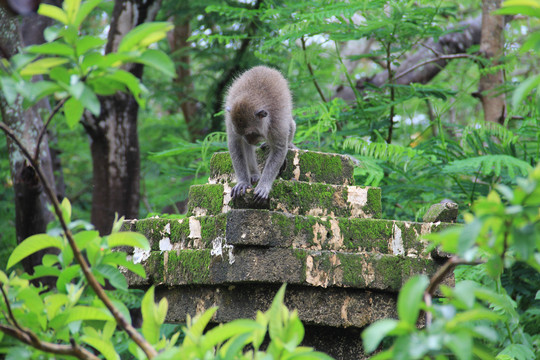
{"points": [[261, 193], [254, 179], [239, 189]]}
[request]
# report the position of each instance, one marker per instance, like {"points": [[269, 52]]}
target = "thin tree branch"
{"points": [[44, 128], [438, 278], [439, 57], [94, 284], [70, 350], [311, 70]]}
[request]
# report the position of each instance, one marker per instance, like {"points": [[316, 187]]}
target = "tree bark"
{"points": [[31, 204], [114, 138], [179, 44], [431, 53], [492, 47]]}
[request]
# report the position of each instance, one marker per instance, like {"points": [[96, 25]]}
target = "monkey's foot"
{"points": [[239, 189], [255, 178], [261, 193], [294, 147]]}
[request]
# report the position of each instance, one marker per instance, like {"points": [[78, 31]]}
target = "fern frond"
{"points": [[380, 151], [485, 130], [489, 165], [368, 167]]}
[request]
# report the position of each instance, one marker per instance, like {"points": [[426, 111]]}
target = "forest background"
{"points": [[430, 106]]}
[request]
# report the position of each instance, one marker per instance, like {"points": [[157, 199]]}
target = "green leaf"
{"points": [[158, 60], [518, 9], [518, 351], [114, 276], [66, 276], [71, 8], [195, 330], [54, 12], [80, 312], [106, 348], [468, 236], [52, 48], [461, 345], [226, 331], [144, 35], [73, 110], [9, 89], [42, 66], [32, 245], [410, 299], [373, 335], [90, 101], [89, 42], [84, 10], [83, 238], [41, 89], [524, 89], [275, 314], [150, 327], [128, 238], [53, 303], [65, 206]]}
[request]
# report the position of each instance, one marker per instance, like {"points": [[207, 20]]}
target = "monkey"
{"points": [[258, 106]]}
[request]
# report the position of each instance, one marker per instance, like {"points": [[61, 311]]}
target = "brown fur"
{"points": [[258, 107]]}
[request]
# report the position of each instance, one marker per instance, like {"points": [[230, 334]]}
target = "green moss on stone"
{"points": [[368, 234], [306, 196], [374, 202], [154, 267], [321, 168], [208, 196], [221, 164], [189, 266], [212, 227], [153, 229], [352, 267], [390, 269], [284, 223], [179, 230]]}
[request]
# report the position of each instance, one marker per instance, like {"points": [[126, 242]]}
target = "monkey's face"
{"points": [[249, 124]]}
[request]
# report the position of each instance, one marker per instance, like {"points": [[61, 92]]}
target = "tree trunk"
{"points": [[492, 47], [114, 139], [31, 203], [179, 44]]}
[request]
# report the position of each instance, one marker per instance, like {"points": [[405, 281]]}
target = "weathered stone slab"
{"points": [[280, 265], [293, 197], [338, 307], [302, 165], [262, 228]]}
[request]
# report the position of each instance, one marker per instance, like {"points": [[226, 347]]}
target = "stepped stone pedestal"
{"points": [[318, 232]]}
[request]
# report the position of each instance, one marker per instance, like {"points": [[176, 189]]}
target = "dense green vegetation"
{"points": [[421, 142]]}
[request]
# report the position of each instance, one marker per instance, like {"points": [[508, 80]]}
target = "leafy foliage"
{"points": [[477, 319]]}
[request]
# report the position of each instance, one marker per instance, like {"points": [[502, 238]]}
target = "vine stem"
{"points": [[94, 284], [44, 129], [310, 68]]}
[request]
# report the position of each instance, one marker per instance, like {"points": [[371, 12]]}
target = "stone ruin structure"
{"points": [[319, 233]]}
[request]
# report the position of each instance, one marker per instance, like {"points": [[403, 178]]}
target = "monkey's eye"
{"points": [[261, 114]]}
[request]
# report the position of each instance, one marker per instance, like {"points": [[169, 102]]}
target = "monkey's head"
{"points": [[249, 121]]}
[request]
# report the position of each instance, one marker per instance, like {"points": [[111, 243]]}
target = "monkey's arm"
{"points": [[278, 152], [239, 161]]}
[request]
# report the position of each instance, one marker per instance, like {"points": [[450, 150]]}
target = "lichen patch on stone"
{"points": [[140, 255], [296, 163], [194, 228], [397, 240], [336, 242], [197, 211], [165, 243]]}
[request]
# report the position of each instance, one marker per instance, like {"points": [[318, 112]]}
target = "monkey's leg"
{"points": [[278, 152], [239, 161], [292, 130], [251, 159]]}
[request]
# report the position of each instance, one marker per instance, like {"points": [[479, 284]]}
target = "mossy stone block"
{"points": [[205, 199], [301, 165]]}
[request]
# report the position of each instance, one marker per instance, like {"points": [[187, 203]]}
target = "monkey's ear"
{"points": [[228, 108], [261, 114]]}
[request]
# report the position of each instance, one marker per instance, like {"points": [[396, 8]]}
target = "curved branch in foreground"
{"points": [[94, 284], [428, 59], [32, 340]]}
